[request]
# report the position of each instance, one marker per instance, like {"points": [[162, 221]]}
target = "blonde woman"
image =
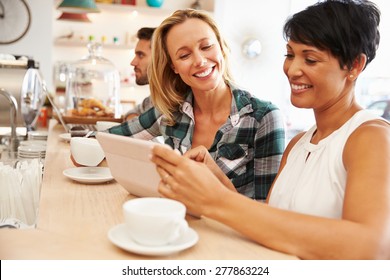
{"points": [[198, 105]]}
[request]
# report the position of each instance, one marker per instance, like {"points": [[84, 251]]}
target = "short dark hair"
{"points": [[145, 33], [346, 28]]}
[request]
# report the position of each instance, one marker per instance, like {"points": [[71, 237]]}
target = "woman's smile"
{"points": [[204, 73]]}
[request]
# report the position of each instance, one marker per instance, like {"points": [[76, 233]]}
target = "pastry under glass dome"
{"points": [[92, 87]]}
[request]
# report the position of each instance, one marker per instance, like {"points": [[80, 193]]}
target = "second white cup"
{"points": [[152, 221], [86, 151]]}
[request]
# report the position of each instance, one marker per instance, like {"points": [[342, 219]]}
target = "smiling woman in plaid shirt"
{"points": [[198, 105]]}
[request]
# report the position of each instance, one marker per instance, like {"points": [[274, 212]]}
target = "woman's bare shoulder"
{"points": [[373, 128], [370, 138]]}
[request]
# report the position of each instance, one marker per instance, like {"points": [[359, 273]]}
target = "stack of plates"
{"points": [[33, 143], [37, 135], [32, 149]]}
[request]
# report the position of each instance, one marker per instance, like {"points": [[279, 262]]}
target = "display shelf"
{"points": [[142, 10], [167, 8]]}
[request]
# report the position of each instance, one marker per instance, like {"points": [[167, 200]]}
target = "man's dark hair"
{"points": [[145, 33]]}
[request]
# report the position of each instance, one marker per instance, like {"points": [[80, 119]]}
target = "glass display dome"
{"points": [[92, 87]]}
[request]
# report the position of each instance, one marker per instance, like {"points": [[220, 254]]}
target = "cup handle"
{"points": [[181, 228]]}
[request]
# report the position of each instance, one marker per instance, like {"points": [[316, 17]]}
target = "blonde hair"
{"points": [[168, 90]]}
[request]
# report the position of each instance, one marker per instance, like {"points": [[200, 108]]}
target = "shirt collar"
{"points": [[188, 105], [240, 106]]}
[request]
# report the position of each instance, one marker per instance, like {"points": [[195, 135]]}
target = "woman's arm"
{"points": [[362, 233], [146, 126]]}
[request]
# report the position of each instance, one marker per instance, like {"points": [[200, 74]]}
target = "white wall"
{"points": [[262, 76]]}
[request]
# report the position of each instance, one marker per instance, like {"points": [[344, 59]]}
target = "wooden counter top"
{"points": [[74, 219]]}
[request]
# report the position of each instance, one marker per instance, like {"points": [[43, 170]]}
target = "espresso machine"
{"points": [[22, 94]]}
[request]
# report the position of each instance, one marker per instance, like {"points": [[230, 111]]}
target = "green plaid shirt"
{"points": [[248, 147]]}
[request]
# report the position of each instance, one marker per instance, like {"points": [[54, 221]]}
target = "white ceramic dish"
{"points": [[37, 135], [89, 175], [31, 151], [65, 137], [120, 238]]}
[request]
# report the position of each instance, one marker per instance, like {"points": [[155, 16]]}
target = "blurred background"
{"points": [[252, 28]]}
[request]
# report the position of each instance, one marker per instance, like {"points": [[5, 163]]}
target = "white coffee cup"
{"points": [[153, 221], [86, 151]]}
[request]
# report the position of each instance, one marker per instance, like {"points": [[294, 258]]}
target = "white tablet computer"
{"points": [[129, 163]]}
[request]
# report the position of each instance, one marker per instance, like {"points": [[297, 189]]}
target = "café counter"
{"points": [[74, 220]]}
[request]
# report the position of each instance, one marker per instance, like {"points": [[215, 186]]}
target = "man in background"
{"points": [[143, 54]]}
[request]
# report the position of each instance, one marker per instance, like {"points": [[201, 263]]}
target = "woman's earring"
{"points": [[351, 76], [173, 69]]}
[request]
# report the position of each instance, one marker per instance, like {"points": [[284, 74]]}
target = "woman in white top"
{"points": [[331, 197]]}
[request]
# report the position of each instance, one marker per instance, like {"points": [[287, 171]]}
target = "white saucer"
{"points": [[89, 175], [65, 136], [120, 238]]}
